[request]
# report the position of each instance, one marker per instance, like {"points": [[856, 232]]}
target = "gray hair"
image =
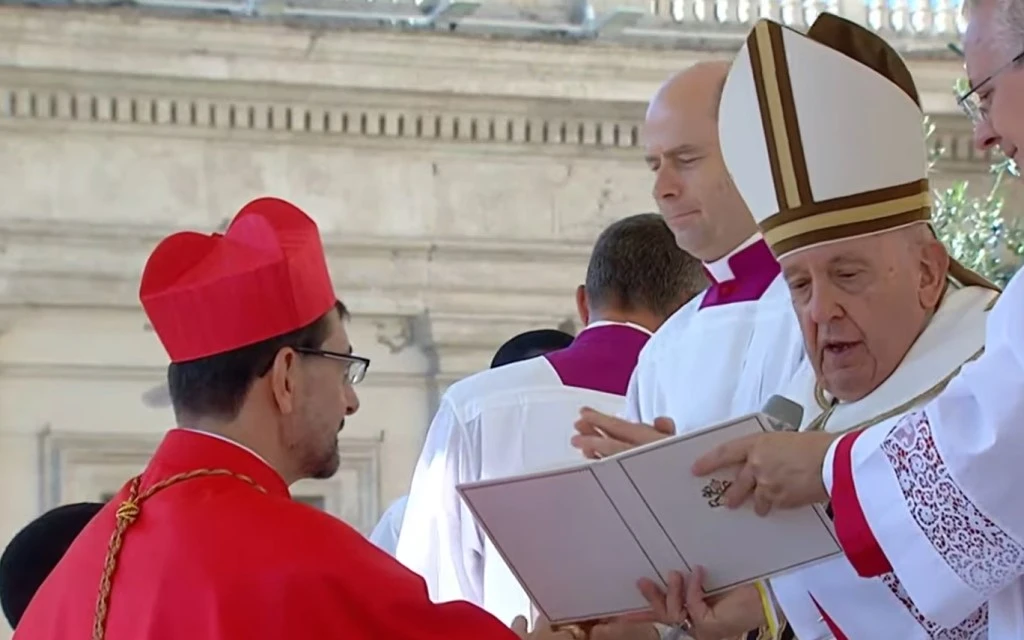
{"points": [[1008, 16]]}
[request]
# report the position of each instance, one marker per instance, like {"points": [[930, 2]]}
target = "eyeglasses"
{"points": [[971, 102], [357, 365]]}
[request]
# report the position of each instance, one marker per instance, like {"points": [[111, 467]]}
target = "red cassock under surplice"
{"points": [[223, 553]]}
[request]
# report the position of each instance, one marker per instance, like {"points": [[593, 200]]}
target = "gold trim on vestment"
{"points": [[125, 516], [774, 90], [917, 206], [801, 221], [829, 406], [847, 216], [967, 278], [776, 96], [820, 422]]}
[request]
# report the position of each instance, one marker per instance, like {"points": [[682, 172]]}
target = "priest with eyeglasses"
{"points": [[206, 543]]}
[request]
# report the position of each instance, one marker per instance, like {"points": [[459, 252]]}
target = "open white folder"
{"points": [[579, 537]]}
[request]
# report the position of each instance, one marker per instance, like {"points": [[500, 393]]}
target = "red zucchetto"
{"points": [[264, 277]]}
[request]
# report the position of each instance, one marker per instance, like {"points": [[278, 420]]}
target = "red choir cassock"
{"points": [[207, 544]]}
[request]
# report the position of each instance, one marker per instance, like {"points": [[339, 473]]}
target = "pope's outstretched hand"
{"points": [[601, 435], [779, 470]]}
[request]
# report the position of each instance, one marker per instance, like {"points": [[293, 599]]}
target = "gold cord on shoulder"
{"points": [[819, 396], [929, 394], [828, 407], [127, 514]]}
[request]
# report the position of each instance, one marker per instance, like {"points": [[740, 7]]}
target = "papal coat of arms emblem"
{"points": [[714, 491]]}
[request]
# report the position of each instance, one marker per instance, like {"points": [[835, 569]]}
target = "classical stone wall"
{"points": [[459, 183], [441, 255], [451, 223]]}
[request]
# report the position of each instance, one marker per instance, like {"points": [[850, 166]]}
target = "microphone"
{"points": [[783, 413]]}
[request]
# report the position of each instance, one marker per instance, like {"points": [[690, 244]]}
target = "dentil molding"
{"points": [[204, 110], [313, 59], [129, 71], [200, 109]]}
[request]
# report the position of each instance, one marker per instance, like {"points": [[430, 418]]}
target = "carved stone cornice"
{"points": [[286, 114], [123, 71], [98, 265], [135, 44]]}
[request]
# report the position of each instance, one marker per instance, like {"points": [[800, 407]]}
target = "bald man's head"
{"points": [[693, 190], [700, 83]]}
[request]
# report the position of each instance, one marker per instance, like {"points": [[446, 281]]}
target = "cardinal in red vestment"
{"points": [[206, 543]]}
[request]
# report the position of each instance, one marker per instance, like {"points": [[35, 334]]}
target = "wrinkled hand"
{"points": [[625, 630], [541, 630], [780, 470], [601, 435], [610, 630], [716, 618]]}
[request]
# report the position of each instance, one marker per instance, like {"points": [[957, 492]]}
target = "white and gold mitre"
{"points": [[823, 134]]}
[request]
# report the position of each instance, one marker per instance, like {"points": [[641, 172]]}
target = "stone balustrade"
{"points": [[901, 19], [913, 25]]}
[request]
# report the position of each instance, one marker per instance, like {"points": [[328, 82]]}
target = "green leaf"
{"points": [[973, 228]]}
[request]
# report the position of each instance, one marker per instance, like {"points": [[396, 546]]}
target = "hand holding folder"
{"points": [[639, 514]]}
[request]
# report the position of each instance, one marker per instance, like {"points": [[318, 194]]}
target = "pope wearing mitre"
{"points": [[823, 134]]}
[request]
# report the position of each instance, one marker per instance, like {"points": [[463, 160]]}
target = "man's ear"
{"points": [[934, 269], [283, 374], [583, 305]]}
